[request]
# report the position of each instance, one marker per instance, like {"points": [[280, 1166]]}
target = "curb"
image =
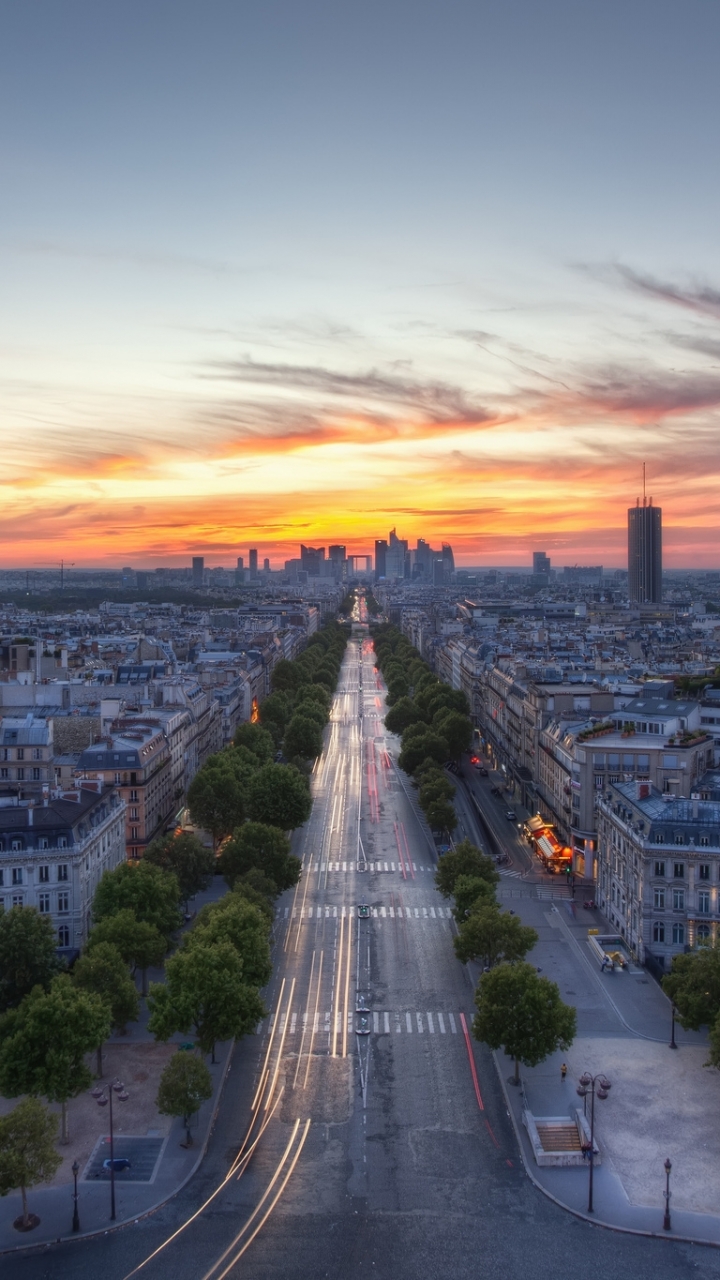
{"points": [[144, 1213], [671, 1237]]}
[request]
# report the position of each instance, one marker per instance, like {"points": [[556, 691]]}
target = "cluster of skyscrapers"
{"points": [[395, 560]]}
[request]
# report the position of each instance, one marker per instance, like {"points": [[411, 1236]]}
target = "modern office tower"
{"points": [[240, 564], [198, 569], [645, 553], [396, 557], [381, 548], [541, 562], [424, 556], [253, 563], [438, 573], [448, 561], [266, 565], [311, 559]]}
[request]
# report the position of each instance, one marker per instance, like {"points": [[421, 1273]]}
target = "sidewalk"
{"points": [[173, 1167], [154, 1141]]}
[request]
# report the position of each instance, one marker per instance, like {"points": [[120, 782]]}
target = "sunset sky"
{"points": [[301, 270]]}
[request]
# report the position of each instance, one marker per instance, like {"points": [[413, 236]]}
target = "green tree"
{"points": [[267, 848], [429, 745], [141, 945], [523, 1014], [275, 712], [469, 891], [303, 737], [456, 730], [27, 1151], [284, 677], [693, 985], [397, 688], [492, 935], [279, 795], [216, 798], [27, 954], [151, 893], [236, 920], [189, 860], [257, 740], [204, 991], [440, 815], [103, 972], [435, 786], [403, 714], [184, 1085], [313, 695], [311, 711], [44, 1042], [441, 698], [464, 860]]}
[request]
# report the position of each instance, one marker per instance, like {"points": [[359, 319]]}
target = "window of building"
{"points": [[20, 753], [4, 773], [703, 932], [599, 760], [44, 904], [63, 936], [599, 781], [63, 903], [678, 899], [37, 753], [21, 775], [659, 838], [659, 931], [2, 878], [36, 775], [659, 899], [679, 838], [704, 871], [678, 870], [704, 902], [62, 842], [670, 762], [62, 871], [117, 779], [44, 874], [16, 845], [659, 868], [679, 935], [643, 762], [17, 900], [133, 797], [17, 875], [704, 841], [613, 760], [628, 762], [134, 815]]}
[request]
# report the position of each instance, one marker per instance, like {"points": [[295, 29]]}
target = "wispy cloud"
{"points": [[702, 298]]}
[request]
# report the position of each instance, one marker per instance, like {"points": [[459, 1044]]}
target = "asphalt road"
{"points": [[369, 1155]]}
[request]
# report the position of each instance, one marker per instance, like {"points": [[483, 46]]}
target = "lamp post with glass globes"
{"points": [[589, 1084], [102, 1100]]}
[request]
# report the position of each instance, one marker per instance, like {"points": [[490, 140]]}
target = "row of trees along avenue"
{"points": [[517, 1009], [52, 1021]]}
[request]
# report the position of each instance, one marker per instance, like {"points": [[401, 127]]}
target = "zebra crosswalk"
{"points": [[395, 912], [374, 865], [384, 1022]]}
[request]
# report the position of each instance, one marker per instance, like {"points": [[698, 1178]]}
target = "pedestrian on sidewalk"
{"points": [[563, 1071]]}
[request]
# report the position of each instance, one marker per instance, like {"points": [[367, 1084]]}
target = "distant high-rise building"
{"points": [[311, 559], [240, 564], [198, 570], [266, 565], [448, 561], [381, 548], [253, 562], [541, 562], [438, 573], [645, 553], [396, 557]]}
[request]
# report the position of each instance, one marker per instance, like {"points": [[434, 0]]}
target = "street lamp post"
{"points": [[589, 1084], [666, 1218], [672, 1026], [76, 1215], [102, 1100]]}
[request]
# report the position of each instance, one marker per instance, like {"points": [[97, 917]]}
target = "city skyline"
{"points": [[299, 270]]}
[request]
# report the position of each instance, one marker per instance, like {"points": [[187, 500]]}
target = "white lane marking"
{"points": [[344, 866], [382, 911], [432, 913], [419, 1022], [334, 913], [376, 1022], [398, 1028], [453, 1028], [287, 912], [417, 914], [424, 911], [386, 866], [408, 1022], [293, 1021], [375, 911], [392, 866], [408, 913], [431, 1027], [441, 1024], [386, 1022]]}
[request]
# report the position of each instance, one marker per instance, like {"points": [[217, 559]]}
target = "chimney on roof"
{"points": [[30, 813]]}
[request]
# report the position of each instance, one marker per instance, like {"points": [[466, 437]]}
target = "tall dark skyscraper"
{"points": [[198, 570], [645, 553], [253, 562], [381, 547]]}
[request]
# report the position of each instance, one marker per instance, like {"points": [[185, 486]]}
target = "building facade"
{"points": [[645, 553]]}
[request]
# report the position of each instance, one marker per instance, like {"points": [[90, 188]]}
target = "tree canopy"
{"points": [[257, 740], [189, 860], [103, 972], [303, 737], [27, 954], [184, 1085], [44, 1042], [205, 990], [693, 985], [27, 1150], [236, 920], [279, 796], [141, 945], [464, 860], [421, 747], [522, 1013], [402, 714], [267, 848], [492, 935], [216, 797], [151, 893], [469, 891]]}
